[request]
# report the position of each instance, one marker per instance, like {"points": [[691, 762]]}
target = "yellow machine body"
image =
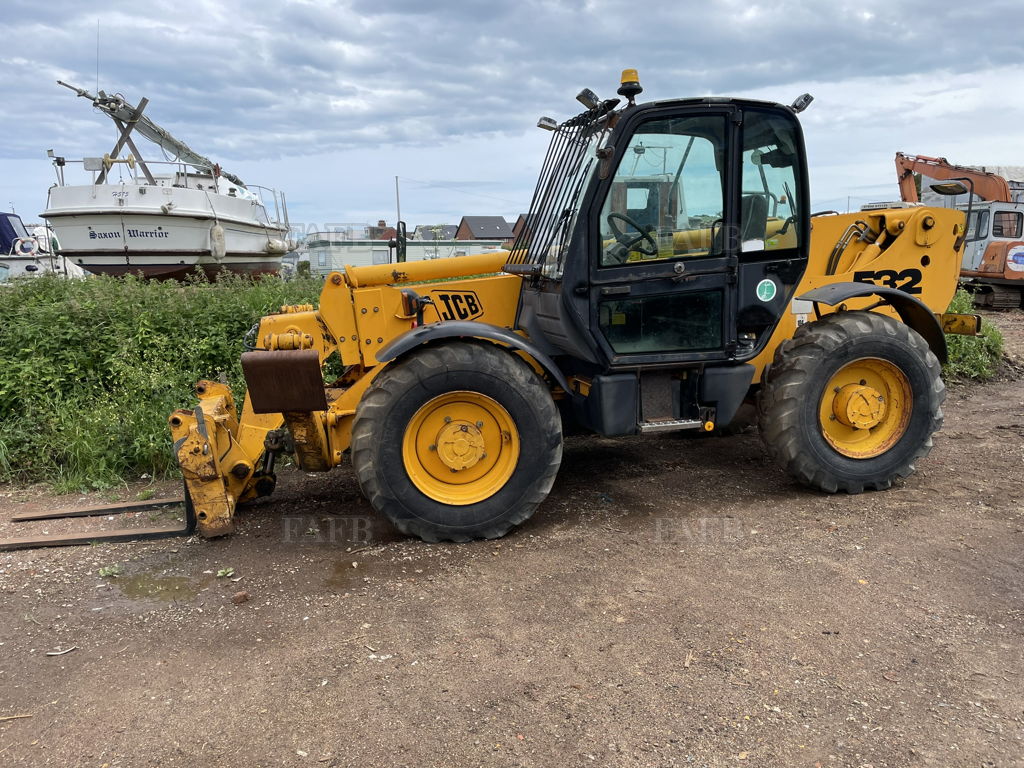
{"points": [[362, 309]]}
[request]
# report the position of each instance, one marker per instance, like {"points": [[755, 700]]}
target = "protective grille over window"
{"points": [[563, 177]]}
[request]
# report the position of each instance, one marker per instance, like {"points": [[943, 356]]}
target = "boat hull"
{"points": [[171, 266], [162, 232]]}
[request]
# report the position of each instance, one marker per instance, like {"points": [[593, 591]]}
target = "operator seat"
{"points": [[753, 223], [753, 217]]}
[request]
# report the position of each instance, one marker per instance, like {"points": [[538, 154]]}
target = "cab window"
{"points": [[768, 205], [1008, 224], [666, 198], [977, 225]]}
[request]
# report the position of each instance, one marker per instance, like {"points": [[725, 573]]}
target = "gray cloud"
{"points": [[263, 80]]}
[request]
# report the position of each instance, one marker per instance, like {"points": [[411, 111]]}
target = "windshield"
{"points": [[667, 195], [16, 223]]}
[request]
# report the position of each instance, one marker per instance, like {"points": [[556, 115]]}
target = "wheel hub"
{"points": [[859, 406], [865, 408], [460, 445]]}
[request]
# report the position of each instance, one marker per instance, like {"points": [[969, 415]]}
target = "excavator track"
{"points": [[88, 537], [998, 297]]}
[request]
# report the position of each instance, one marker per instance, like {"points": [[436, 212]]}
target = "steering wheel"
{"points": [[629, 242]]}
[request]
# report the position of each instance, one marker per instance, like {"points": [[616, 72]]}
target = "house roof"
{"points": [[487, 227], [443, 232]]}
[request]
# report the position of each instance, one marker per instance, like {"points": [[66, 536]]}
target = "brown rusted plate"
{"points": [[284, 380], [965, 325]]}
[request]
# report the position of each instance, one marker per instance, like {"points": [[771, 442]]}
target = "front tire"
{"points": [[458, 441], [851, 402]]}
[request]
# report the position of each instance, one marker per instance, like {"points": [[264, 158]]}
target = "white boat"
{"points": [[25, 254], [163, 219]]}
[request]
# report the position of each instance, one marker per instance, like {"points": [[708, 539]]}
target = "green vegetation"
{"points": [[91, 369], [972, 357]]}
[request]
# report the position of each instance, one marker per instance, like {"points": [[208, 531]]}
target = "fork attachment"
{"points": [[88, 537]]}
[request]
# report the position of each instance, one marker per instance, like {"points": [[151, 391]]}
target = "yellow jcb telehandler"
{"points": [[669, 272]]}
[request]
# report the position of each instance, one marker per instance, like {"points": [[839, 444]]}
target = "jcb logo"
{"points": [[457, 305]]}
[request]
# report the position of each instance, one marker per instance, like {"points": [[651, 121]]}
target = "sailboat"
{"points": [[162, 219]]}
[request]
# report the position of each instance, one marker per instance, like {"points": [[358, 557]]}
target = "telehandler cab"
{"points": [[669, 272]]}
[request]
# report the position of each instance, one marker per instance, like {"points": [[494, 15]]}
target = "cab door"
{"points": [[701, 210]]}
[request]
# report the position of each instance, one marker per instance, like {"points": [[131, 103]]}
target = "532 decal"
{"points": [[907, 280]]}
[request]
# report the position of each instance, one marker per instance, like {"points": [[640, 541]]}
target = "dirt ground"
{"points": [[675, 602]]}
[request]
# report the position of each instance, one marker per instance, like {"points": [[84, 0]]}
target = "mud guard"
{"points": [[452, 329], [912, 312]]}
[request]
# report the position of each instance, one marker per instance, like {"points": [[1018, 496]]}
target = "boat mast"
{"points": [[129, 117]]}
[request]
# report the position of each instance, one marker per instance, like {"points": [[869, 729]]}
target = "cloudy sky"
{"points": [[330, 101]]}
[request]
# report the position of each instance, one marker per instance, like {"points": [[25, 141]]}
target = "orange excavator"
{"points": [[988, 186], [993, 259]]}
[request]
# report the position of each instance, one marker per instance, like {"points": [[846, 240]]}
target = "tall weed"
{"points": [[90, 369]]}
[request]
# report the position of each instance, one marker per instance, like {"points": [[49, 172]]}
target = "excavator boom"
{"points": [[987, 186]]}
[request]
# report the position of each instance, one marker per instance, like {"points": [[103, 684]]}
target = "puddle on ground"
{"points": [[167, 588], [380, 565], [344, 576]]}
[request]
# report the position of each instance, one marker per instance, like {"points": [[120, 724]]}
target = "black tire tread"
{"points": [[784, 390], [397, 379]]}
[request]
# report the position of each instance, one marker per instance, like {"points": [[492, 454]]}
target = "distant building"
{"points": [[484, 228], [329, 252], [381, 232], [519, 226], [435, 232]]}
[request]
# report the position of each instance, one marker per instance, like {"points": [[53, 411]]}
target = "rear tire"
{"points": [[456, 442], [851, 402]]}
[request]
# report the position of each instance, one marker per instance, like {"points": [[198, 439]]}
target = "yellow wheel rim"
{"points": [[865, 408], [460, 448]]}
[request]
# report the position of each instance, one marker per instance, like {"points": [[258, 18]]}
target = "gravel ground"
{"points": [[674, 602]]}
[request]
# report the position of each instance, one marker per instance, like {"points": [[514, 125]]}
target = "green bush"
{"points": [[972, 357], [91, 369]]}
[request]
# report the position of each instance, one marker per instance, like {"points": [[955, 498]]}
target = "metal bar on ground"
{"points": [[86, 537], [108, 509]]}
